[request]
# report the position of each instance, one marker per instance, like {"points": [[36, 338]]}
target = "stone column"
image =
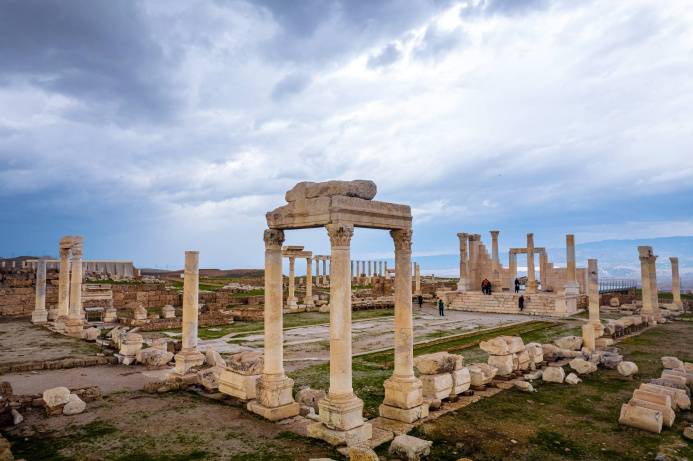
{"points": [[380, 268], [654, 292], [75, 322], [308, 300], [593, 329], [324, 271], [63, 289], [495, 263], [417, 272], [463, 284], [543, 259], [644, 253], [369, 272], [385, 274], [532, 284], [512, 270], [571, 287], [472, 269], [40, 314], [189, 357], [274, 396], [676, 282], [352, 270], [341, 412], [403, 391], [291, 301], [317, 271]]}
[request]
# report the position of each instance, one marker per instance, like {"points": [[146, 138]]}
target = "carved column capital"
{"points": [[494, 234], [402, 239], [340, 234], [64, 253], [273, 238], [77, 251], [674, 260]]}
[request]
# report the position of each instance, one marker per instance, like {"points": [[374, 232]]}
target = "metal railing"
{"points": [[616, 285]]}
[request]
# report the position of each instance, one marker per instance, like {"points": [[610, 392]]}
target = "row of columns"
{"points": [[375, 268], [308, 300]]}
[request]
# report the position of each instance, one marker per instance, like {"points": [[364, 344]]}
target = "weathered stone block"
{"points": [[436, 363], [641, 418], [554, 375], [436, 386]]}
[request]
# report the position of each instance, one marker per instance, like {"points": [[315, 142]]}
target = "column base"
{"points": [[588, 337], [463, 285], [406, 416], [52, 314], [275, 391], [336, 437], [532, 287], [61, 323], [110, 315], [403, 393], [187, 359], [39, 316], [274, 413], [74, 327], [342, 414], [571, 288]]}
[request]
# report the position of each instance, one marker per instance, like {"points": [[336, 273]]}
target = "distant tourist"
{"points": [[488, 287], [441, 306], [483, 286], [517, 286], [522, 302], [420, 301]]}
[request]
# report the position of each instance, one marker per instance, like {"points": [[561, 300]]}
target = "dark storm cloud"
{"points": [[386, 57], [100, 52]]}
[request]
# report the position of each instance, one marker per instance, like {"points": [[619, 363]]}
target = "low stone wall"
{"points": [[624, 298], [57, 364], [207, 319], [504, 303]]}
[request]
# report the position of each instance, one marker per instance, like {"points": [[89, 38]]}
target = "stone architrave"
{"points": [[532, 284], [63, 288], [512, 270], [308, 300], [75, 322], [189, 357], [40, 314], [274, 397], [463, 284], [654, 291], [291, 300], [403, 391], [571, 287], [676, 282], [495, 263], [644, 253]]}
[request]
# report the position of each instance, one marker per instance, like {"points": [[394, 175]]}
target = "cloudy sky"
{"points": [[155, 127]]}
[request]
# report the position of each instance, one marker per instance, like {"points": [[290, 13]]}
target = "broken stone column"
{"points": [[512, 270], [572, 287], [63, 289], [274, 397], [495, 263], [676, 282], [110, 314], [308, 300], [532, 284], [654, 292], [641, 418], [403, 391], [75, 322], [341, 412], [593, 290], [291, 300], [644, 253], [242, 373], [189, 356], [40, 314], [417, 271], [463, 284]]}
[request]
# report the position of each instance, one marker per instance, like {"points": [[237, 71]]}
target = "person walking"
{"points": [[420, 299], [441, 306], [517, 286], [521, 302]]}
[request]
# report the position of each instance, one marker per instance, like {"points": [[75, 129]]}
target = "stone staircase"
{"points": [[503, 303]]}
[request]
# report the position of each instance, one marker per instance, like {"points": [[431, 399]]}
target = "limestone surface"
{"points": [[503, 363], [359, 188], [572, 343], [524, 386], [410, 448], [572, 379], [554, 375], [153, 357], [659, 399], [310, 397], [672, 363], [627, 368], [436, 386], [535, 352], [668, 414], [679, 373], [209, 377], [74, 406], [495, 346], [361, 452], [461, 381], [91, 334], [582, 366], [521, 361], [214, 358], [130, 343], [678, 396], [433, 364], [550, 352], [641, 418], [56, 396], [481, 374], [246, 363]]}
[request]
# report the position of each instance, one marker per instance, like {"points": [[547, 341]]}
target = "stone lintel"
{"points": [[296, 254], [71, 240], [320, 211]]}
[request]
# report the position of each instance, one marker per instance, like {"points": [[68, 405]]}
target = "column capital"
{"points": [[463, 237], [494, 234], [653, 258], [64, 253], [292, 259], [340, 234], [77, 251], [473, 237], [570, 240], [402, 239], [644, 251], [273, 238], [674, 260], [644, 259]]}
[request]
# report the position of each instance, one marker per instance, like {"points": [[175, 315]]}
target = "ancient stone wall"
{"points": [[556, 278]]}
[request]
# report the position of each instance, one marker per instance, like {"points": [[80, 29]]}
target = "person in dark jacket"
{"points": [[420, 299], [521, 302], [488, 287], [441, 306], [517, 286]]}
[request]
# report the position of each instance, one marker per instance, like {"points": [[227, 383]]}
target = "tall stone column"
{"points": [[472, 269], [386, 274], [532, 284], [189, 357], [495, 263], [654, 292], [403, 391], [571, 287], [40, 314], [380, 268], [274, 396], [676, 282], [417, 272], [324, 271], [75, 322], [644, 253], [512, 270], [308, 300], [594, 329], [543, 260], [291, 300], [352, 271], [341, 412], [463, 284], [63, 289], [369, 272], [317, 271]]}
